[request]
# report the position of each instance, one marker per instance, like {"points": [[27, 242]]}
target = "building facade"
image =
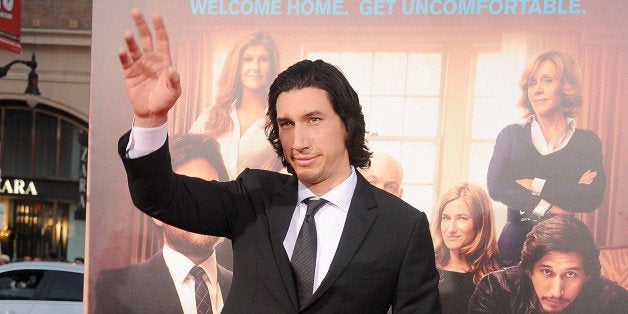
{"points": [[44, 138]]}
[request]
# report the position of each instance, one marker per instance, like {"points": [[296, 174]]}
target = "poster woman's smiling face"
{"points": [[255, 67], [544, 90], [457, 225]]}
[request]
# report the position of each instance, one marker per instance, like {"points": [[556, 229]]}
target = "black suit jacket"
{"points": [[385, 256], [146, 287]]}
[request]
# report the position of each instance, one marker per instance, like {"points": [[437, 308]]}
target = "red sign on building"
{"points": [[10, 25]]}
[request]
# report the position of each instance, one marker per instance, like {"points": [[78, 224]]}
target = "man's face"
{"points": [[313, 138], [385, 173], [185, 242], [188, 243], [558, 278]]}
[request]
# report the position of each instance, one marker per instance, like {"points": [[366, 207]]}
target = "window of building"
{"points": [[39, 143], [401, 96], [16, 131], [38, 228], [493, 104], [438, 110]]}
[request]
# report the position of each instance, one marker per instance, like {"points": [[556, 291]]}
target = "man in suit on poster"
{"points": [[161, 284], [372, 250]]}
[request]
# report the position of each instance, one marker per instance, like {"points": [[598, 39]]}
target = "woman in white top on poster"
{"points": [[238, 117]]}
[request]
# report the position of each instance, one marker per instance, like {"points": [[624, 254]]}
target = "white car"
{"points": [[41, 287]]}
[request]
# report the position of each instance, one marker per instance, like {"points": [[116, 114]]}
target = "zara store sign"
{"points": [[17, 186]]}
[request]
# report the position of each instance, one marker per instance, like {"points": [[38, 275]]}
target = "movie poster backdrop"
{"points": [[437, 81]]}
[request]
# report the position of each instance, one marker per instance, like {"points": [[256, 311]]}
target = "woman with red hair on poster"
{"points": [[237, 118]]}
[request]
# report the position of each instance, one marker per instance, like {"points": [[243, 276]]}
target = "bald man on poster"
{"points": [[385, 173]]}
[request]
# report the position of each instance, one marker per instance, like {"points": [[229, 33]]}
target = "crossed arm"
{"points": [[510, 185], [587, 178]]}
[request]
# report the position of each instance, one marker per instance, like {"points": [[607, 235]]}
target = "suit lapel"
{"points": [[225, 277], [167, 298], [279, 216], [360, 217]]}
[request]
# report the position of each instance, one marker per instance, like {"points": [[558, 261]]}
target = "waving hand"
{"points": [[151, 83]]}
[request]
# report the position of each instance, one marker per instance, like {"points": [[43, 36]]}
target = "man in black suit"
{"points": [[373, 250], [161, 284]]}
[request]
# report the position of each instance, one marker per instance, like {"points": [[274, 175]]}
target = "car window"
{"points": [[66, 287], [19, 284]]}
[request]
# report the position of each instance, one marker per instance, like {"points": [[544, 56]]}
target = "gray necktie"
{"points": [[304, 254], [203, 300]]}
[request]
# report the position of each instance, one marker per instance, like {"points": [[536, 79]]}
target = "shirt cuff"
{"points": [[541, 208], [537, 186], [143, 141]]}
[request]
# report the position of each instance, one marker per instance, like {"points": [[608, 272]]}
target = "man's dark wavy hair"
{"points": [[343, 98], [564, 234]]}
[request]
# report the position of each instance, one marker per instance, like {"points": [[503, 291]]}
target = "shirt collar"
{"points": [[557, 143], [179, 265], [340, 195], [571, 122]]}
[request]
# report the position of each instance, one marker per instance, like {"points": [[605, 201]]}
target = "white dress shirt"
{"points": [[330, 221], [250, 149], [179, 267], [143, 141]]}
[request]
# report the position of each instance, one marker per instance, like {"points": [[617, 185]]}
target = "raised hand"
{"points": [[151, 83]]}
